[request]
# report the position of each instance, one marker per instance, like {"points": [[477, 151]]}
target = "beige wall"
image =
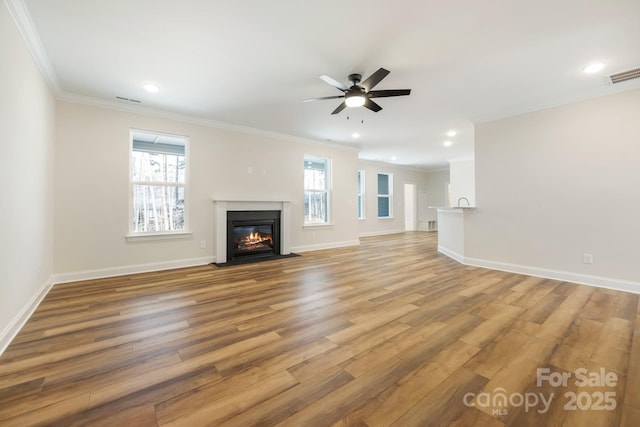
{"points": [[435, 193], [27, 117], [372, 225], [556, 184], [92, 189]]}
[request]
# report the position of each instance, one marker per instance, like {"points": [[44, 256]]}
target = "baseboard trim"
{"points": [[11, 330], [380, 233], [130, 269], [451, 254], [321, 246], [565, 276]]}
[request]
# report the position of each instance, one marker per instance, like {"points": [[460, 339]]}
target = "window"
{"points": [[158, 182], [360, 194], [317, 186], [385, 184]]}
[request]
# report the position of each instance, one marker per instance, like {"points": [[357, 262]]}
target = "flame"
{"points": [[255, 240]]}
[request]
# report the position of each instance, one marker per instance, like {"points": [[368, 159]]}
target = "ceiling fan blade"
{"points": [[374, 79], [334, 83], [372, 106], [340, 108], [323, 98], [386, 93]]}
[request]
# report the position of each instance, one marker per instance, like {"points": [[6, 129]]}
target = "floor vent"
{"points": [[623, 76]]}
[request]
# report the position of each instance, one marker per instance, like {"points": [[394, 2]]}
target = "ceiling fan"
{"points": [[360, 94]]}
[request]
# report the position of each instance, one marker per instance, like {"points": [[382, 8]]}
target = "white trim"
{"points": [[130, 269], [20, 14], [565, 276], [380, 233], [17, 323], [22, 18], [124, 106], [321, 246], [319, 225], [168, 235], [451, 254]]}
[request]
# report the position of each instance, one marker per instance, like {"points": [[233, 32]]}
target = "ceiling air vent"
{"points": [[623, 76], [122, 98]]}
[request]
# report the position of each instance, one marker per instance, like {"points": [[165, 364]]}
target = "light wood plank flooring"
{"points": [[389, 333]]}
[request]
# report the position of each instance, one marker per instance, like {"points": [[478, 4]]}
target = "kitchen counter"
{"points": [[451, 230]]}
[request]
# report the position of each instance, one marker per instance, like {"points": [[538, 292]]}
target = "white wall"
{"points": [[27, 114], [92, 190], [555, 184], [372, 225], [463, 182], [433, 194]]}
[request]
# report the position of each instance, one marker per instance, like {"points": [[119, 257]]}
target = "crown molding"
{"points": [[394, 165], [186, 118], [20, 14], [531, 107]]}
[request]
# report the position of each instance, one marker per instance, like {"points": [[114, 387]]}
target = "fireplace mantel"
{"points": [[220, 229]]}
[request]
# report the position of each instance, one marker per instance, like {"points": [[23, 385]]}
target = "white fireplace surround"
{"points": [[220, 211]]}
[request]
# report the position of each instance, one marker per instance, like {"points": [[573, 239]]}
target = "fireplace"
{"points": [[252, 234], [221, 229]]}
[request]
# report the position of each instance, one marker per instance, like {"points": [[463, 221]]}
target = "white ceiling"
{"points": [[251, 63]]}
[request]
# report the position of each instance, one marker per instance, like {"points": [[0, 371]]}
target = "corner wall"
{"points": [[27, 115], [559, 183]]}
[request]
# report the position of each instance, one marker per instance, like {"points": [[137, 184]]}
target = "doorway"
{"points": [[410, 207]]}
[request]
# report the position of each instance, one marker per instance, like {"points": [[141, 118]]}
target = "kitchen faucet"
{"points": [[463, 198]]}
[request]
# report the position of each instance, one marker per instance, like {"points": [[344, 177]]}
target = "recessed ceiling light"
{"points": [[151, 87], [593, 68], [355, 135], [452, 133], [447, 143], [394, 158]]}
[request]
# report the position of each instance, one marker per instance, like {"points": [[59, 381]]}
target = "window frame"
{"points": [[327, 190], [181, 233], [387, 196], [361, 194]]}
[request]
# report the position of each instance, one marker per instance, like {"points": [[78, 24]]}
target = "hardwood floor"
{"points": [[387, 333]]}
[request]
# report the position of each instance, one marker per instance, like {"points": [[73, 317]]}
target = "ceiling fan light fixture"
{"points": [[355, 100]]}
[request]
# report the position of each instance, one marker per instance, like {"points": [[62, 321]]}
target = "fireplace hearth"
{"points": [[252, 234]]}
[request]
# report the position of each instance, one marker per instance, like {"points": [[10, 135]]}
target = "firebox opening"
{"points": [[253, 238], [252, 234]]}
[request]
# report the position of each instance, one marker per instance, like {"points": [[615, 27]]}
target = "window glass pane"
{"points": [[315, 179], [383, 183], [315, 174], [154, 167], [383, 207], [315, 207], [158, 208]]}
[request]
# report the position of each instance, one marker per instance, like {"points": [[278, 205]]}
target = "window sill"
{"points": [[385, 217], [140, 237], [328, 225]]}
